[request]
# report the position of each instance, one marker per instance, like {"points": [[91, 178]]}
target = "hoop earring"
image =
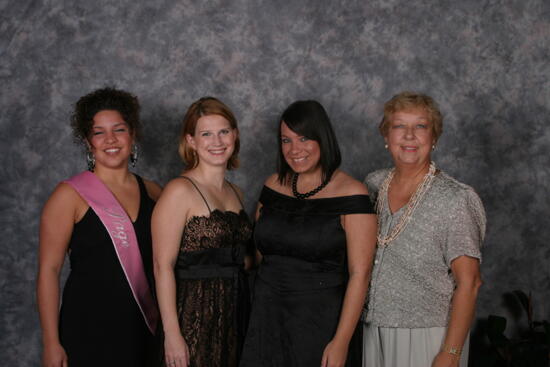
{"points": [[90, 160], [134, 155]]}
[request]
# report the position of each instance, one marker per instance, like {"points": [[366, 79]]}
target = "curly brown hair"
{"points": [[107, 98]]}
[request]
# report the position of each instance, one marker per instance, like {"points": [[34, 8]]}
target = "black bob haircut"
{"points": [[309, 119]]}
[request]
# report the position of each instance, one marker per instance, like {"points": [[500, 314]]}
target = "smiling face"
{"points": [[110, 140], [213, 140], [300, 153], [410, 137]]}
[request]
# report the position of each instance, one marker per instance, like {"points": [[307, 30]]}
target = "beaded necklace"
{"points": [[307, 194], [414, 201]]}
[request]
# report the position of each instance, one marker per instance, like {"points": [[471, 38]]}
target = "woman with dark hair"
{"points": [[426, 272], [200, 233], [315, 234], [101, 218]]}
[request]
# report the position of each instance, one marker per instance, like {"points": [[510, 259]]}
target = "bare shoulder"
{"points": [[179, 187], [274, 184], [237, 189], [346, 185], [153, 189], [64, 194], [177, 200], [65, 201], [272, 181]]}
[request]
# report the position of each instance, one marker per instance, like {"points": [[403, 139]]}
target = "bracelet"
{"points": [[455, 351]]}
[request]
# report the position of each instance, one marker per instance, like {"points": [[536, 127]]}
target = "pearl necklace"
{"points": [[414, 201], [307, 194]]}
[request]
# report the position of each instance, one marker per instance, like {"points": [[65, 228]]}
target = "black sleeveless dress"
{"points": [[100, 322], [212, 291], [301, 281]]}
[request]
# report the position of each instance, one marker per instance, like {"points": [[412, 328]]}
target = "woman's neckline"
{"points": [[312, 199], [223, 212]]}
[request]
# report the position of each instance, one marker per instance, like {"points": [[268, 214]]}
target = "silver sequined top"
{"points": [[412, 284]]}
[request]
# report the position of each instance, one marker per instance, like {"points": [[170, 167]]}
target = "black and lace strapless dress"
{"points": [[212, 290]]}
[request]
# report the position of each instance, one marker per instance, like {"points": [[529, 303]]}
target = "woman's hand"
{"points": [[444, 359], [335, 354], [176, 352], [54, 356]]}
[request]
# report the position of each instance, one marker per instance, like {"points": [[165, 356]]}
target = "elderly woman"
{"points": [[316, 232], [101, 218], [426, 270]]}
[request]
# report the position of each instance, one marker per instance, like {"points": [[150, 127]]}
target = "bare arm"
{"points": [[465, 270], [361, 243], [56, 227], [167, 223]]}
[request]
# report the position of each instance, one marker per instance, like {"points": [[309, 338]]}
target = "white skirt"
{"points": [[397, 347]]}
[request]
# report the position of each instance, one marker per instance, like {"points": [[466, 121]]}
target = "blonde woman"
{"points": [[200, 233]]}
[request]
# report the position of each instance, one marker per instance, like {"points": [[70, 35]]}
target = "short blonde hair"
{"points": [[204, 107], [410, 101]]}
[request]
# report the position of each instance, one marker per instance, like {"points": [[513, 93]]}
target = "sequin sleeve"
{"points": [[466, 229], [373, 182]]}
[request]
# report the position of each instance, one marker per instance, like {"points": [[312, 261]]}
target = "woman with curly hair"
{"points": [[101, 219]]}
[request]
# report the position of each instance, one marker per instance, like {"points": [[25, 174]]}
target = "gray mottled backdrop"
{"points": [[485, 61]]}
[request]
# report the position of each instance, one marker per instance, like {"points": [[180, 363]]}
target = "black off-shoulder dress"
{"points": [[301, 282]]}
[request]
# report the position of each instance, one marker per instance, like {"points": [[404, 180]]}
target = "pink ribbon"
{"points": [[121, 230]]}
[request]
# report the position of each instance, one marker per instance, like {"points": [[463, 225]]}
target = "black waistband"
{"points": [[207, 271], [210, 263], [291, 274]]}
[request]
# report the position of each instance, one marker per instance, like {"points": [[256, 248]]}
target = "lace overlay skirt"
{"points": [[207, 318]]}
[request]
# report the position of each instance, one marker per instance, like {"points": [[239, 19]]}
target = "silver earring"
{"points": [[433, 147], [386, 146], [134, 155], [90, 160]]}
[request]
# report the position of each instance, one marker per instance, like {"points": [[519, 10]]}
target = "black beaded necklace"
{"points": [[309, 193]]}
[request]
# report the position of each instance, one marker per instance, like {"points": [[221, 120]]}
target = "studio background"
{"points": [[486, 63]]}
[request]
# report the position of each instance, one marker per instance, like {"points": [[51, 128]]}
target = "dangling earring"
{"points": [[433, 147], [386, 146], [134, 155], [90, 160]]}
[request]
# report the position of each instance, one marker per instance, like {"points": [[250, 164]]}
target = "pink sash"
{"points": [[120, 229]]}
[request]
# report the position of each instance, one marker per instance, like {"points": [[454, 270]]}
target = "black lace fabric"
{"points": [[211, 289], [219, 230]]}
